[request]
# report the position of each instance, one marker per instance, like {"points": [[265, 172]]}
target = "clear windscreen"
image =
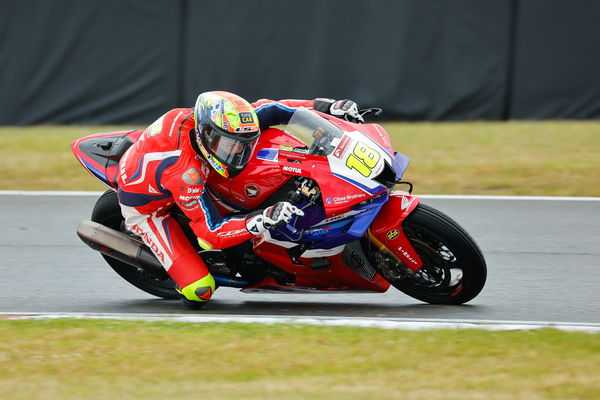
{"points": [[315, 131]]}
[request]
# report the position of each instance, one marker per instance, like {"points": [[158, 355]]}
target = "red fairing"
{"points": [[373, 131], [97, 162], [337, 276], [387, 228]]}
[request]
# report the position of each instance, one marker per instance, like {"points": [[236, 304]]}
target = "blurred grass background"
{"points": [[74, 359], [555, 158]]}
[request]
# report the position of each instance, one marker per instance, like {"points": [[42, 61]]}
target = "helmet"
{"points": [[227, 130]]}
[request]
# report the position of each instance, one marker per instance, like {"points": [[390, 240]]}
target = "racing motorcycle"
{"points": [[359, 231]]}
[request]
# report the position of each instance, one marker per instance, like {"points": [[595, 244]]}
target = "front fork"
{"points": [[386, 230]]}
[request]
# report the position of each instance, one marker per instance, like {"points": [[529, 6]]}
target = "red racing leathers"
{"points": [[163, 168]]}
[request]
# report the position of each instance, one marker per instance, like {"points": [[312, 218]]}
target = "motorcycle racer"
{"points": [[170, 163]]}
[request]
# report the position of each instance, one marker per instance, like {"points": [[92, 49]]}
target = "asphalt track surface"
{"points": [[543, 265]]}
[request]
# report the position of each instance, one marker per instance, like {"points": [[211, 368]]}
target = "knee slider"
{"points": [[201, 290]]}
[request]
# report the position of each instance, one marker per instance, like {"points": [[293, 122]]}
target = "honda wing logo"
{"points": [[406, 203]]}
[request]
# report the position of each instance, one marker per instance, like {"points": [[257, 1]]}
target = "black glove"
{"points": [[278, 214], [346, 109]]}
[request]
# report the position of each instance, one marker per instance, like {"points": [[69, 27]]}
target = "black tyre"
{"points": [[108, 212], [454, 270]]}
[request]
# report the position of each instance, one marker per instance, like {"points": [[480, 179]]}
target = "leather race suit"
{"points": [[163, 168]]}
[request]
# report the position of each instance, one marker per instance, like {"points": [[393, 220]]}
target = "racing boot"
{"points": [[196, 294]]}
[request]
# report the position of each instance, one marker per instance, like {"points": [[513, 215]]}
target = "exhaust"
{"points": [[118, 245]]}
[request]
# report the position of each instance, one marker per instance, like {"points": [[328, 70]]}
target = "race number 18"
{"points": [[363, 159]]}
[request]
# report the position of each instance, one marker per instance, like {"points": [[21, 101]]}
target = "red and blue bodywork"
{"points": [[352, 167]]}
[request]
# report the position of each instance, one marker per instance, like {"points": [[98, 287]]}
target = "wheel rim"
{"points": [[441, 274]]}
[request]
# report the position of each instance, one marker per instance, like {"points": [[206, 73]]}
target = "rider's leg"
{"points": [[163, 235]]}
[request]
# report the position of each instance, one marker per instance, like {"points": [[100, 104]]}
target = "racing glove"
{"points": [[345, 109], [278, 214]]}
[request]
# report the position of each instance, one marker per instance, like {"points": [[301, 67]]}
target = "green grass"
{"points": [[72, 359], [555, 158], [511, 158]]}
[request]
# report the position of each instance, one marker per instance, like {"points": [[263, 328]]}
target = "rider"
{"points": [[169, 164]]}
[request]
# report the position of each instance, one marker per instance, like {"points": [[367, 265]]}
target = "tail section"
{"points": [[100, 153]]}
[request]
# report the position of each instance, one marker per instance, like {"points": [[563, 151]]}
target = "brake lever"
{"points": [[373, 110]]}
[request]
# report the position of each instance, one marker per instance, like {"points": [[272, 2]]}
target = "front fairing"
{"points": [[351, 162]]}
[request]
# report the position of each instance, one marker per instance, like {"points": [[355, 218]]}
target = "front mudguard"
{"points": [[386, 230]]}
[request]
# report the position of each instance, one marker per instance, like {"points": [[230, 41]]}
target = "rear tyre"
{"points": [[108, 213], [454, 270]]}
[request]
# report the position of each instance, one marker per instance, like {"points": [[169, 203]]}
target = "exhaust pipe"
{"points": [[118, 245]]}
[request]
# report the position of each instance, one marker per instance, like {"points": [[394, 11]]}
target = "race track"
{"points": [[543, 265]]}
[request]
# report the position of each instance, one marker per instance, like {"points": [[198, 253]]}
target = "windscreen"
{"points": [[315, 131]]}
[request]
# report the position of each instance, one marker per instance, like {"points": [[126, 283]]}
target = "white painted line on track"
{"points": [[424, 196], [48, 193], [382, 323]]}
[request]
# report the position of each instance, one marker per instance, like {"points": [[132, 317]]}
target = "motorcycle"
{"points": [[359, 232]]}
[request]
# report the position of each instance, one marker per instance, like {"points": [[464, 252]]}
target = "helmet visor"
{"points": [[233, 152]]}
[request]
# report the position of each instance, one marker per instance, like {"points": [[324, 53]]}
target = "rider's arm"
{"points": [[271, 113], [186, 183]]}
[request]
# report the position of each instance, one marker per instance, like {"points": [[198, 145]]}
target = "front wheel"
{"points": [[453, 271]]}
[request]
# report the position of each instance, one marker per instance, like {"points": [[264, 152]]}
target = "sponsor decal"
{"points": [[339, 217], [190, 205], [296, 155], [174, 122], [193, 190], [152, 190], [246, 118], [393, 234], [407, 255], [252, 191], [292, 169], [192, 176], [344, 199], [245, 129], [339, 150], [238, 232], [148, 240], [188, 198], [319, 230]]}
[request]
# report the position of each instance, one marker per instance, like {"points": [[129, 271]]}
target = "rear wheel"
{"points": [[453, 271], [108, 213]]}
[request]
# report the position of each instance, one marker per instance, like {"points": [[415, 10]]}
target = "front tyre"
{"points": [[453, 271], [108, 213]]}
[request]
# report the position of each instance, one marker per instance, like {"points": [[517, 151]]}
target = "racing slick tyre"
{"points": [[453, 271], [108, 213]]}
